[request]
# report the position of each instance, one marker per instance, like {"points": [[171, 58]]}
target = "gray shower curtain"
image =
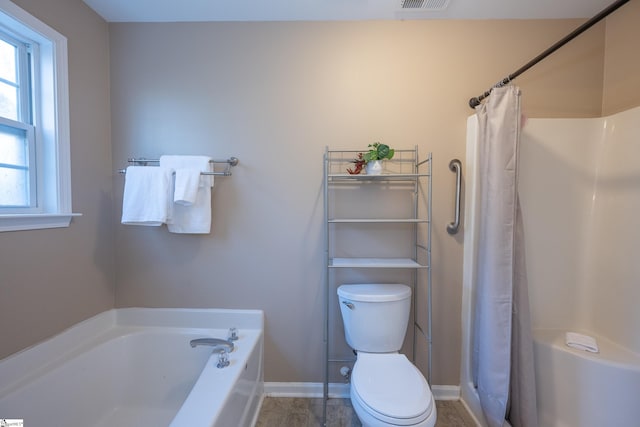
{"points": [[502, 343]]}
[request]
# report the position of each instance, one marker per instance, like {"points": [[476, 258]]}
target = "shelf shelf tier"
{"points": [[375, 263], [376, 178], [377, 221]]}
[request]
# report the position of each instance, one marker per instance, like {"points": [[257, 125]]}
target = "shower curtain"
{"points": [[502, 343]]}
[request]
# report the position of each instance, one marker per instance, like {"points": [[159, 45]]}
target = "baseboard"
{"points": [[309, 390], [341, 390], [446, 392], [471, 413]]}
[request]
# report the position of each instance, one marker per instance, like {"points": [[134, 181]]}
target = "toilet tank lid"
{"points": [[375, 292]]}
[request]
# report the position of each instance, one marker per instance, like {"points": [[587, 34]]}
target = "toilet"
{"points": [[386, 388]]}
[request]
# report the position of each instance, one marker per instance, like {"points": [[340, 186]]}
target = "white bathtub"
{"points": [[578, 388], [135, 368]]}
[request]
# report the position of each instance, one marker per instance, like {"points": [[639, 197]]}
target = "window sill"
{"points": [[35, 221]]}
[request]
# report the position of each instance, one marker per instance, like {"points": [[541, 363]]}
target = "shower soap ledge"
{"points": [[581, 342]]}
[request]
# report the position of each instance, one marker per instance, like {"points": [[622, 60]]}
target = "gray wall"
{"points": [[51, 279], [274, 95]]}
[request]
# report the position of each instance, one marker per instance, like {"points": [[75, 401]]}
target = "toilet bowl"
{"points": [[386, 388]]}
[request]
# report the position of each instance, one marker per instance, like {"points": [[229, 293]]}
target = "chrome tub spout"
{"points": [[217, 343], [220, 346]]}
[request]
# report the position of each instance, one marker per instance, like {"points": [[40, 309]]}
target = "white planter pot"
{"points": [[374, 167]]}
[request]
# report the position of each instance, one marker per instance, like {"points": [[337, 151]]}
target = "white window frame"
{"points": [[52, 123], [26, 64]]}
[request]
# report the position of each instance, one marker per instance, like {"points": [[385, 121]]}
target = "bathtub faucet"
{"points": [[223, 345], [220, 346]]}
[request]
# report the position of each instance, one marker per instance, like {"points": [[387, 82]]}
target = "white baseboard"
{"points": [[471, 413], [309, 390], [446, 392], [341, 390]]}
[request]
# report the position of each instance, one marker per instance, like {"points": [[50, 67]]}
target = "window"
{"points": [[35, 186], [17, 142]]}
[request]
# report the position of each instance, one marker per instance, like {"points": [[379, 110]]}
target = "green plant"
{"points": [[378, 151]]}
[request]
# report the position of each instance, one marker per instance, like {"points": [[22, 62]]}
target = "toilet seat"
{"points": [[391, 389]]}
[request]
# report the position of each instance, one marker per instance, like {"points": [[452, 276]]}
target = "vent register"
{"points": [[424, 4]]}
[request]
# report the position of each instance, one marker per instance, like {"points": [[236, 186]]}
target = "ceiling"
{"points": [[339, 10]]}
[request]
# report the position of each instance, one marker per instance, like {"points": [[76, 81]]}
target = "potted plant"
{"points": [[372, 159]]}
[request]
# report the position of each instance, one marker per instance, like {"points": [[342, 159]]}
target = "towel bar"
{"points": [[231, 161]]}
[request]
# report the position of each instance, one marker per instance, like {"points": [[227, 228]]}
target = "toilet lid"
{"points": [[391, 385]]}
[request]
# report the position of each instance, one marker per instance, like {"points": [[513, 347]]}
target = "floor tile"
{"points": [[301, 412]]}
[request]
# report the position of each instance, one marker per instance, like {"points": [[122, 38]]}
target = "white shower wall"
{"points": [[579, 187], [556, 186], [614, 266], [580, 193]]}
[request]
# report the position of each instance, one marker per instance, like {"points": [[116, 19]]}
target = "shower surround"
{"points": [[579, 187]]}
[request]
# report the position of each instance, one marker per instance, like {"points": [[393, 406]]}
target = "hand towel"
{"points": [[581, 342], [187, 183], [194, 218], [201, 163], [146, 195]]}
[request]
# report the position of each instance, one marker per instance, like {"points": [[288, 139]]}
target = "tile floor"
{"points": [[299, 412]]}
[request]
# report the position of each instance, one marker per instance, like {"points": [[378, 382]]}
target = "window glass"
{"points": [[16, 192], [9, 95], [13, 146], [7, 61], [8, 101], [14, 168]]}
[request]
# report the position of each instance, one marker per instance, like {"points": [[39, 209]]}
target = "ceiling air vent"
{"points": [[424, 4]]}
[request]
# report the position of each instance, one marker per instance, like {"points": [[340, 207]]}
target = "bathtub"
{"points": [[578, 388], [135, 367]]}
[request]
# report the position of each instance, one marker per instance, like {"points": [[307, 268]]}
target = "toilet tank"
{"points": [[375, 316]]}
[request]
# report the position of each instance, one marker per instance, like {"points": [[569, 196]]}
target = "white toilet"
{"points": [[386, 388]]}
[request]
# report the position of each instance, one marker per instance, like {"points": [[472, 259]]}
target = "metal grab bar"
{"points": [[456, 166]]}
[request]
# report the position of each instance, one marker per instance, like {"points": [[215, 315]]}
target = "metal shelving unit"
{"points": [[415, 176]]}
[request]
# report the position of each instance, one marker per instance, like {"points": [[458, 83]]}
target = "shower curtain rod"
{"points": [[474, 102]]}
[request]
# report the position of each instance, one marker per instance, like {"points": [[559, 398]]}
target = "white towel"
{"points": [[201, 163], [194, 218], [146, 196], [581, 342], [187, 183]]}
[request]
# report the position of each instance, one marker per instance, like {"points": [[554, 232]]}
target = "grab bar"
{"points": [[456, 166]]}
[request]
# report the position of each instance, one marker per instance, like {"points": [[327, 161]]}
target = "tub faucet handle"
{"points": [[223, 359], [233, 334]]}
